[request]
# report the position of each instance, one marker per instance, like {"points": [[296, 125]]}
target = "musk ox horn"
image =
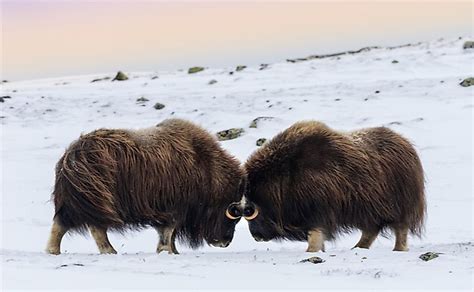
{"points": [[250, 213], [233, 211]]}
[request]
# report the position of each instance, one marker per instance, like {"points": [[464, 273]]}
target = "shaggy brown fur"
{"points": [[174, 177], [311, 182]]}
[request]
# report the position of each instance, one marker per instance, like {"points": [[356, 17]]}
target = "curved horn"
{"points": [[253, 216], [236, 213], [227, 213]]}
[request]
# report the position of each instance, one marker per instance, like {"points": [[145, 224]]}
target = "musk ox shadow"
{"points": [[174, 177], [311, 183]]}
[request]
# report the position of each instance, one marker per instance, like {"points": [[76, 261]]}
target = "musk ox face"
{"points": [[262, 227], [223, 232], [221, 223]]}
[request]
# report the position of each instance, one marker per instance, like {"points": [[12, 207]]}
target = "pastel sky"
{"points": [[55, 38]]}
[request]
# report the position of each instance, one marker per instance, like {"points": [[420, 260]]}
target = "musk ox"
{"points": [[311, 183], [173, 177]]}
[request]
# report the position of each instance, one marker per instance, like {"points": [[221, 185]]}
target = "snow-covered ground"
{"points": [[419, 96]]}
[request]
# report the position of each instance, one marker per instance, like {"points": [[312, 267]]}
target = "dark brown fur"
{"points": [[174, 174], [311, 177]]}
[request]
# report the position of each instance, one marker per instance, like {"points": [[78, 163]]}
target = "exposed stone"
{"points": [[120, 76], [394, 62], [213, 81], [193, 70], [159, 106], [256, 121], [263, 66], [100, 79], [2, 98], [467, 82], [154, 77], [313, 260], [240, 68], [468, 45], [142, 99], [428, 256], [229, 134]]}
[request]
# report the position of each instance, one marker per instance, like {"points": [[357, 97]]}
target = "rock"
{"points": [[468, 45], [313, 260], [395, 123], [159, 106], [261, 141], [142, 99], [2, 98], [213, 81], [467, 82], [193, 70], [154, 77], [4, 81], [255, 121], [100, 79], [120, 76], [240, 68], [428, 256], [263, 66], [394, 62], [229, 134]]}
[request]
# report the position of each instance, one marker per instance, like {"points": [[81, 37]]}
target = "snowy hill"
{"points": [[414, 90]]}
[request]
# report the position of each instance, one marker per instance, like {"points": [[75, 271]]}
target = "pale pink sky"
{"points": [[55, 38]]}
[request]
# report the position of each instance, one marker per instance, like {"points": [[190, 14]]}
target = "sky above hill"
{"points": [[56, 38]]}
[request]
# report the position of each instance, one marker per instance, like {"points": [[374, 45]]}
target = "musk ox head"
{"points": [[219, 227], [222, 233]]}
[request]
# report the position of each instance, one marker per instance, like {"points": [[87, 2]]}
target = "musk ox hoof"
{"points": [[312, 249], [108, 251], [404, 248], [53, 251], [166, 248], [361, 246]]}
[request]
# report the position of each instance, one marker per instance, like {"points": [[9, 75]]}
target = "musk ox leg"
{"points": [[315, 241], [54, 242], [167, 240], [102, 241], [401, 243], [367, 239]]}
